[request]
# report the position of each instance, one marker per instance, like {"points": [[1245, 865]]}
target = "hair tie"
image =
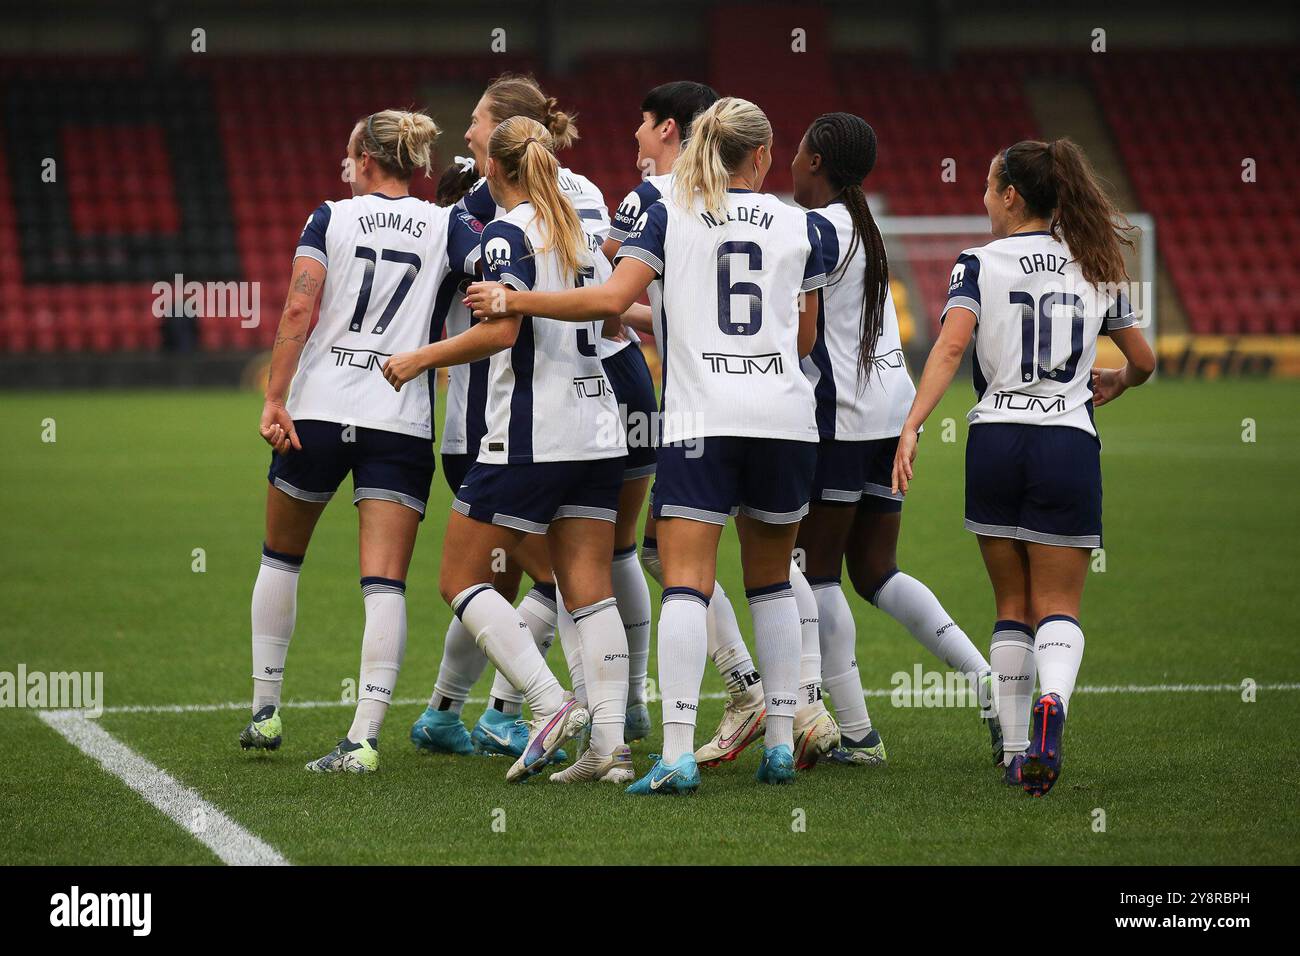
{"points": [[370, 129], [531, 139], [466, 163]]}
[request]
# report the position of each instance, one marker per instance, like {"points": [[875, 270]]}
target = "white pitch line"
{"points": [[231, 843], [875, 692]]}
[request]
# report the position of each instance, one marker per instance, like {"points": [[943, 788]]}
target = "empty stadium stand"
{"points": [[208, 169]]}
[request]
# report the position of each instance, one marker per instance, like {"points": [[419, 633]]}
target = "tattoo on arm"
{"points": [[281, 337], [305, 283]]}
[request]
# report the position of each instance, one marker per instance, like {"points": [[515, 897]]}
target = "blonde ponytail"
{"points": [[400, 141], [721, 137], [524, 150]]}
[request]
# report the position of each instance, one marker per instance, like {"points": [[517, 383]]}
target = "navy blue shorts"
{"points": [[629, 376], [710, 479], [1036, 483], [857, 472], [385, 465], [528, 497], [455, 468]]}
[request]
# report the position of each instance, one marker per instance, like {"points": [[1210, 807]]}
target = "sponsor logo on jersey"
{"points": [[590, 386], [721, 363], [357, 358], [497, 250], [630, 207], [892, 359], [958, 274], [1020, 402]]}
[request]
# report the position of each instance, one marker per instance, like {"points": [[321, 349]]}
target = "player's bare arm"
{"points": [[490, 300], [940, 367], [1140, 362], [478, 342], [276, 427]]}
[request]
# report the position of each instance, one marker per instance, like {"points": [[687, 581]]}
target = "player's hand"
{"points": [[903, 459], [277, 428], [402, 367], [487, 300], [1107, 385]]}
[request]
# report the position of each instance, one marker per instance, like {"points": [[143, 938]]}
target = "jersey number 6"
{"points": [[727, 288], [412, 262], [1042, 366]]}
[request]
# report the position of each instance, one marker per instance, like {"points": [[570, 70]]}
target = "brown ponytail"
{"points": [[515, 95], [1055, 179]]}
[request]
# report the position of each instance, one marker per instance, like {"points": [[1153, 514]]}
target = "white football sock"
{"points": [[840, 678], [728, 651], [778, 642], [726, 646], [633, 596], [913, 605], [1012, 655], [810, 655], [571, 644], [504, 637], [538, 611], [462, 665], [683, 641], [605, 666], [275, 605], [383, 646], [1058, 652]]}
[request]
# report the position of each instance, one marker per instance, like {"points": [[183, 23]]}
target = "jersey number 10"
{"points": [[1041, 366]]}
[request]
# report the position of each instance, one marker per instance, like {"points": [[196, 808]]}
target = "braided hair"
{"points": [[847, 146]]}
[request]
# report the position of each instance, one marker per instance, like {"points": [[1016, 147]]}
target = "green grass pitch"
{"points": [[1199, 587]]}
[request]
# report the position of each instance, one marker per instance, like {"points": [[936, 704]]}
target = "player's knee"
{"points": [[869, 576], [650, 559]]}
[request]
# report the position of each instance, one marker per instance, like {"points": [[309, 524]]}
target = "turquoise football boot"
{"points": [[777, 765], [682, 776], [504, 735], [441, 732]]}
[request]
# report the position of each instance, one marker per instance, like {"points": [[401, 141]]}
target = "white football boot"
{"points": [[546, 734], [743, 722], [611, 768], [815, 735]]}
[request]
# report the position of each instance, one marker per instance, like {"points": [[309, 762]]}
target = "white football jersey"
{"points": [[849, 409], [464, 424], [392, 268], [1037, 322], [547, 396], [728, 317]]}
